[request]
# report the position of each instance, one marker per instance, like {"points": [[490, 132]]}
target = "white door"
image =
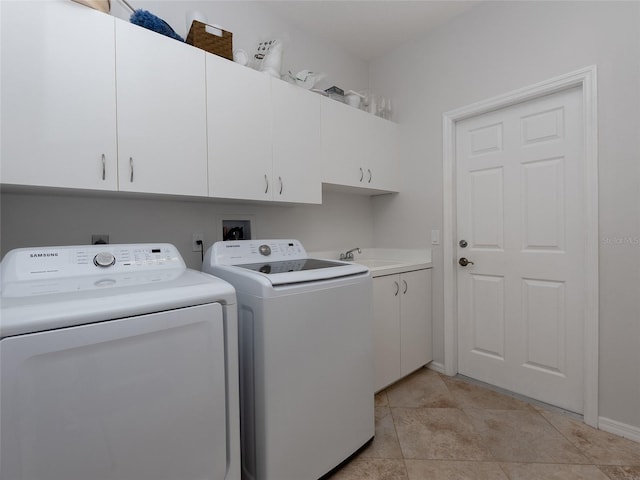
{"points": [[520, 208], [162, 113]]}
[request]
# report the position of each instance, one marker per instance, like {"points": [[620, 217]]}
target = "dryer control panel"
{"points": [[25, 264]]}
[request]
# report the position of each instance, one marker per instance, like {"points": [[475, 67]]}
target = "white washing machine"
{"points": [[117, 363], [306, 357]]}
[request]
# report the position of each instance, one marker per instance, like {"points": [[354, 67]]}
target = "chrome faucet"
{"points": [[348, 255]]}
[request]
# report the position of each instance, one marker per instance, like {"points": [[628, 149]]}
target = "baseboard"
{"points": [[436, 367], [619, 428]]}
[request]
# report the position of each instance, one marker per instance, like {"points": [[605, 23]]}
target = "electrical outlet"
{"points": [[198, 236], [435, 237], [99, 239]]}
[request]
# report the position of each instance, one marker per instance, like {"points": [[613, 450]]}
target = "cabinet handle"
{"points": [[406, 287], [266, 181], [104, 167], [397, 289], [361, 173], [281, 184], [370, 176], [131, 169]]}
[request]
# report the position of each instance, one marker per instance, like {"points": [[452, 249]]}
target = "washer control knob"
{"points": [[104, 259], [265, 250]]}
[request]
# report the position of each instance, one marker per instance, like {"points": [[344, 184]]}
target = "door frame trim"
{"points": [[586, 79]]}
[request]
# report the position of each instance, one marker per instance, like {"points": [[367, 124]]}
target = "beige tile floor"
{"points": [[433, 427]]}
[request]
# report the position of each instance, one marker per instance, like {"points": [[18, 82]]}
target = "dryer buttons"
{"points": [[265, 250], [104, 259]]}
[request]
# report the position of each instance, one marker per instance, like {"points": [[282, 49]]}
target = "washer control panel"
{"points": [[237, 252]]}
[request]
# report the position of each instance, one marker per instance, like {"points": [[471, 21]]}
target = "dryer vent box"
{"points": [[236, 230]]}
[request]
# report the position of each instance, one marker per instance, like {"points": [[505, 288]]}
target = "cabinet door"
{"points": [[296, 144], [358, 148], [386, 330], [162, 136], [58, 96], [344, 144], [382, 160], [239, 131], [415, 320]]}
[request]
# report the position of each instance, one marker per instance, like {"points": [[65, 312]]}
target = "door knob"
{"points": [[464, 262]]}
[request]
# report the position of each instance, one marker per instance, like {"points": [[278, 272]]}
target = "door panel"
{"points": [[543, 210], [486, 139], [487, 208], [545, 323], [520, 207], [487, 315]]}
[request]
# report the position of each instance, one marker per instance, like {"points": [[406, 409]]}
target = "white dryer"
{"points": [[306, 357], [117, 363]]}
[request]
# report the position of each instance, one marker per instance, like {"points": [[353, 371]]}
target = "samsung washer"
{"points": [[306, 357], [117, 363]]}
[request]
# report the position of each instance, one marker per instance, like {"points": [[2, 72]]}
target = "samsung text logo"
{"points": [[40, 255]]}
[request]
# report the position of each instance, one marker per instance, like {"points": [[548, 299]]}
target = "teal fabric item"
{"points": [[150, 21]]}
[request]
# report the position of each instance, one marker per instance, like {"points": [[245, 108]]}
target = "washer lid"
{"points": [[55, 287], [280, 262], [284, 266], [302, 270]]}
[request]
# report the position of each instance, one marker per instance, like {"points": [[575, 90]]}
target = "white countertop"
{"points": [[385, 261]]}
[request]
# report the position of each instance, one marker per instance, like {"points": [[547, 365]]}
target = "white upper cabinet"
{"points": [[93, 102], [358, 148], [296, 144], [162, 132], [263, 136], [382, 152], [239, 131], [58, 96], [343, 144]]}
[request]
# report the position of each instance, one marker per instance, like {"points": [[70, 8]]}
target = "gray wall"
{"points": [[496, 48], [252, 22], [341, 222]]}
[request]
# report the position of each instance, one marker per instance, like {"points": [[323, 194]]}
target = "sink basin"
{"points": [[375, 263]]}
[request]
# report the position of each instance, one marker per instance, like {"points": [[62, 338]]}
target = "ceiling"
{"points": [[370, 28]]}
